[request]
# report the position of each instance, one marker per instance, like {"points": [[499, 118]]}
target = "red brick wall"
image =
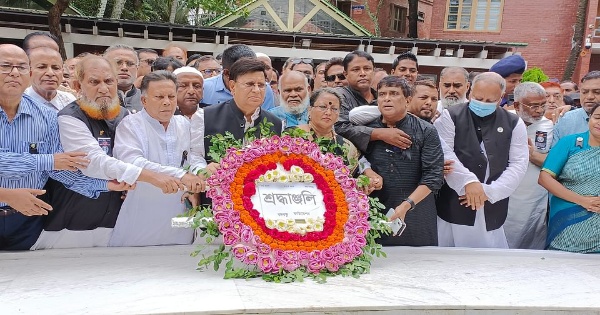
{"points": [[384, 17], [546, 25]]}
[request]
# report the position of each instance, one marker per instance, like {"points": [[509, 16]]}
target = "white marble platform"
{"points": [[163, 280]]}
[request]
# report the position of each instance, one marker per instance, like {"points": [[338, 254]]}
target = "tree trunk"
{"points": [[54, 15], [174, 5], [102, 8], [577, 40], [413, 18], [117, 9], [374, 15]]}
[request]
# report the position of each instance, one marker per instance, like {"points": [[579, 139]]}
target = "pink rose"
{"points": [[263, 249], [230, 238], [266, 264], [290, 265], [303, 257], [326, 254], [246, 234], [239, 251], [332, 266], [315, 266], [251, 257]]}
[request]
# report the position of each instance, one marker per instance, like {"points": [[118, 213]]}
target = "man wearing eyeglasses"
{"points": [[217, 90], [126, 60], [146, 57], [525, 225], [304, 65], [208, 66]]}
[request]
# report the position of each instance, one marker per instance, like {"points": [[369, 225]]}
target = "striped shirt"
{"points": [[27, 145]]}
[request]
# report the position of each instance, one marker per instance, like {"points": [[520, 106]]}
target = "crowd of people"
{"points": [[103, 149]]}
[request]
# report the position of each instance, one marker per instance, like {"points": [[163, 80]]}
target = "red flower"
{"points": [[249, 189]]}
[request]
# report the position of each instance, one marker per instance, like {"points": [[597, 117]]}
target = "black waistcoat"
{"points": [[76, 212], [495, 132], [227, 116]]}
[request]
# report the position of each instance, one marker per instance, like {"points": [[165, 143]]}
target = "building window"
{"points": [[398, 18], [474, 15]]}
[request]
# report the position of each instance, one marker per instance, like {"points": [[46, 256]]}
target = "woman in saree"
{"points": [[571, 173], [323, 112]]}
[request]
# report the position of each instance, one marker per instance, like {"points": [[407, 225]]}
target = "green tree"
{"points": [[577, 40], [54, 15], [535, 74]]}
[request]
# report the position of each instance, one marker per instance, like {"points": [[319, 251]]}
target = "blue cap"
{"points": [[509, 65]]}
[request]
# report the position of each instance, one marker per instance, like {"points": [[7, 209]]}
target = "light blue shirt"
{"points": [[35, 128], [289, 119], [216, 93], [575, 121]]}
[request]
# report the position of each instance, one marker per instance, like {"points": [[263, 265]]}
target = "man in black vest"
{"points": [[490, 153], [89, 124], [247, 82]]}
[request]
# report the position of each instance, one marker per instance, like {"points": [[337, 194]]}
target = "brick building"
{"points": [[546, 26]]}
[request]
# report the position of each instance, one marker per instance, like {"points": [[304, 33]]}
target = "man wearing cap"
{"points": [[511, 69], [189, 91]]}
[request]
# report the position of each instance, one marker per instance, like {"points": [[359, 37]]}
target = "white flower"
{"points": [[320, 220], [283, 178], [318, 226], [261, 178], [310, 220], [291, 222], [281, 225], [296, 170], [269, 177], [308, 178], [310, 228], [270, 223]]}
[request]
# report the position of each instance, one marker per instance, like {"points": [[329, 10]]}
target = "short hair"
{"points": [[246, 65], [121, 47], [204, 58], [548, 84], [234, 53], [154, 76], [259, 54], [333, 62], [219, 56], [163, 63], [592, 75], [355, 54], [569, 81], [406, 55], [145, 50], [396, 81], [473, 74], [306, 83], [449, 70], [493, 76], [83, 55], [193, 57], [46, 49], [324, 63], [528, 89], [379, 70], [325, 90], [28, 37], [427, 83], [80, 66], [174, 45], [593, 109]]}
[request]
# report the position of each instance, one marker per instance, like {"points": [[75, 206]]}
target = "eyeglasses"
{"points": [[323, 109], [150, 62], [211, 71], [252, 85], [296, 61], [7, 68], [129, 64], [331, 78], [536, 107]]}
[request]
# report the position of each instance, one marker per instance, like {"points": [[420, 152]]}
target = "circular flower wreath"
{"points": [[344, 232]]}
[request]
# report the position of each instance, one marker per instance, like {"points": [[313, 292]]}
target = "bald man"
{"points": [[46, 76], [490, 161]]}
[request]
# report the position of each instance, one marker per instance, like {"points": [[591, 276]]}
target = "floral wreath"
{"points": [[341, 241]]}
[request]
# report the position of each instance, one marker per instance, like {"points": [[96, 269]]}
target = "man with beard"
{"points": [[576, 121], [454, 85], [88, 125], [189, 91], [293, 100], [525, 225], [156, 140], [127, 63], [31, 153], [46, 74], [489, 148]]}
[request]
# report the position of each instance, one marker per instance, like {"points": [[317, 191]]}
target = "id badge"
{"points": [[105, 144], [541, 140], [33, 148]]}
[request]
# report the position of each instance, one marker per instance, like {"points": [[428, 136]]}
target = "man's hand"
{"points": [[211, 169], [193, 183], [393, 136], [474, 196], [400, 211], [114, 185], [448, 168], [25, 201], [375, 181], [194, 199], [168, 184], [531, 147], [70, 161], [590, 203]]}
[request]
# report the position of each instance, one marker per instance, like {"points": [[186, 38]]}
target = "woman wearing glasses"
{"points": [[571, 173]]}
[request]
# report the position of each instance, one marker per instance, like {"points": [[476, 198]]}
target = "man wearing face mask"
{"points": [[489, 148], [525, 225]]}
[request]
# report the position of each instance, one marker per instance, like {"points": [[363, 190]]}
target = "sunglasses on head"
{"points": [[296, 61], [331, 78]]}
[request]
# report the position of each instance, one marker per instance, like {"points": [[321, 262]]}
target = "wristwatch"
{"points": [[412, 203]]}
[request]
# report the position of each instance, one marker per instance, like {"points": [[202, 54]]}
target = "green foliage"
{"points": [[535, 74]]}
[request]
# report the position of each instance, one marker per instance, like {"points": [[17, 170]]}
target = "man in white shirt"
{"points": [[454, 84], [88, 125], [525, 225], [46, 75], [489, 148], [155, 139]]}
